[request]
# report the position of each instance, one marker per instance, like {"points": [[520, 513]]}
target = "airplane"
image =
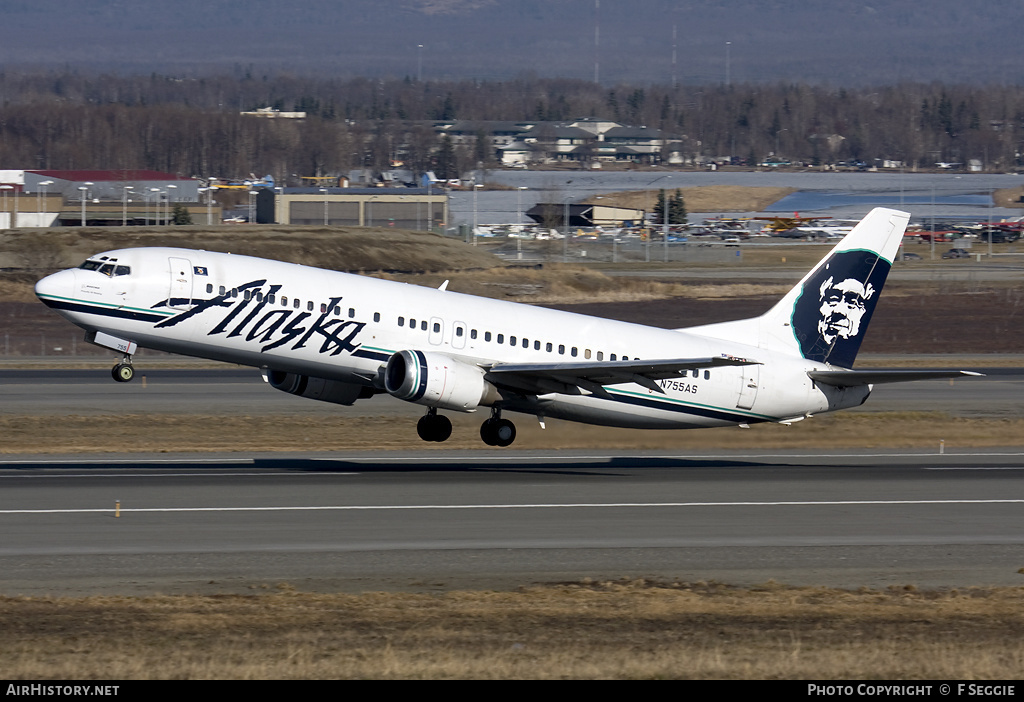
{"points": [[341, 338]]}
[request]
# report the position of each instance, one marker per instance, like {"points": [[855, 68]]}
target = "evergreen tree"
{"points": [[677, 209], [446, 166], [181, 215]]}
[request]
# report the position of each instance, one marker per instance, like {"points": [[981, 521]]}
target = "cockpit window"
{"points": [[106, 268]]}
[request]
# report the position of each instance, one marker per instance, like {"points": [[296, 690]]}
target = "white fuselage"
{"points": [[344, 327]]}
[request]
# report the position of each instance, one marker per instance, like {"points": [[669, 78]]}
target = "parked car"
{"points": [[911, 256], [957, 253]]}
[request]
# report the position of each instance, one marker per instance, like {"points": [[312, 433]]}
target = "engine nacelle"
{"points": [[436, 380], [317, 388]]}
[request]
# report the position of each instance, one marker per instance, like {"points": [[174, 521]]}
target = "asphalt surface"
{"points": [[499, 520], [224, 390], [493, 519]]}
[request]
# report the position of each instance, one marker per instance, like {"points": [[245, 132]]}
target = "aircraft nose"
{"points": [[59, 286]]}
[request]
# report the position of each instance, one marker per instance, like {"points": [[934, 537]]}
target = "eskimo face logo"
{"points": [[835, 306], [842, 308]]}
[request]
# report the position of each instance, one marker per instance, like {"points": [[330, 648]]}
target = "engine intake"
{"points": [[318, 388], [436, 380]]}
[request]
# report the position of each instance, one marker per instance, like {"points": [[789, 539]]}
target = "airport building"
{"points": [[402, 208], [45, 198]]}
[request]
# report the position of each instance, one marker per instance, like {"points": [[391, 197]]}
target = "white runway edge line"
{"points": [[580, 505]]}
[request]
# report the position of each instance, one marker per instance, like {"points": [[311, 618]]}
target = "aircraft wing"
{"points": [[571, 378], [874, 376]]}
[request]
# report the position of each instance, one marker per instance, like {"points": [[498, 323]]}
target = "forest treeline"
{"points": [[192, 126]]}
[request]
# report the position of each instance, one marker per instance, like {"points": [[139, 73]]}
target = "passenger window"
{"points": [[487, 336], [458, 331], [323, 307], [284, 301], [512, 341], [309, 306], [707, 375], [573, 352], [472, 334], [600, 355], [209, 287], [401, 321], [501, 338], [271, 298], [223, 290], [376, 316], [586, 354], [412, 323], [536, 346], [437, 327], [561, 349], [351, 311], [612, 357], [548, 347]]}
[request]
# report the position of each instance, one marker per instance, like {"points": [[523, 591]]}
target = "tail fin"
{"points": [[823, 318]]}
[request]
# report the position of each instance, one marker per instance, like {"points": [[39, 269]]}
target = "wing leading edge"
{"points": [[572, 378]]}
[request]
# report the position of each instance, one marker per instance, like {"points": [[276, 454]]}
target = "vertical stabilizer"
{"points": [[823, 318]]}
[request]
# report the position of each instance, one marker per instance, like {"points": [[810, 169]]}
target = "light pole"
{"points": [[5, 188], [40, 194], [209, 204], [565, 234], [519, 221], [728, 58], [419, 63], [83, 189], [476, 187], [169, 193], [252, 206], [153, 194], [324, 191], [124, 205]]}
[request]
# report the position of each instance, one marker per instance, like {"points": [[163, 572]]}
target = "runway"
{"points": [[500, 520]]}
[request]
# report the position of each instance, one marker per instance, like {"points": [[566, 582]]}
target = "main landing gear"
{"points": [[433, 426], [495, 431], [123, 371]]}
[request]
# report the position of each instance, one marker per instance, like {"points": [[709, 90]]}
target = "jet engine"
{"points": [[318, 388], [436, 380]]}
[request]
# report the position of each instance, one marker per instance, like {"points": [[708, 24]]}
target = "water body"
{"points": [[841, 195]]}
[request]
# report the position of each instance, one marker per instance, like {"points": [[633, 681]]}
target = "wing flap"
{"points": [[591, 377]]}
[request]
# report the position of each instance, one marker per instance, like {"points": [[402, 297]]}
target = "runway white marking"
{"points": [[568, 505]]}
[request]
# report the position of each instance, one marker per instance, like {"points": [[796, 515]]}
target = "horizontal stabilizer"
{"points": [[850, 378]]}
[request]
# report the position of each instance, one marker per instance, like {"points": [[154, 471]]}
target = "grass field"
{"points": [[593, 630]]}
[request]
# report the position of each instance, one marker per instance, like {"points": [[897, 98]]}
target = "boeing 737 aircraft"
{"points": [[340, 338]]}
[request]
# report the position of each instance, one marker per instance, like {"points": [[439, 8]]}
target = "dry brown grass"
{"points": [[608, 630], [706, 198], [189, 433], [337, 248]]}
